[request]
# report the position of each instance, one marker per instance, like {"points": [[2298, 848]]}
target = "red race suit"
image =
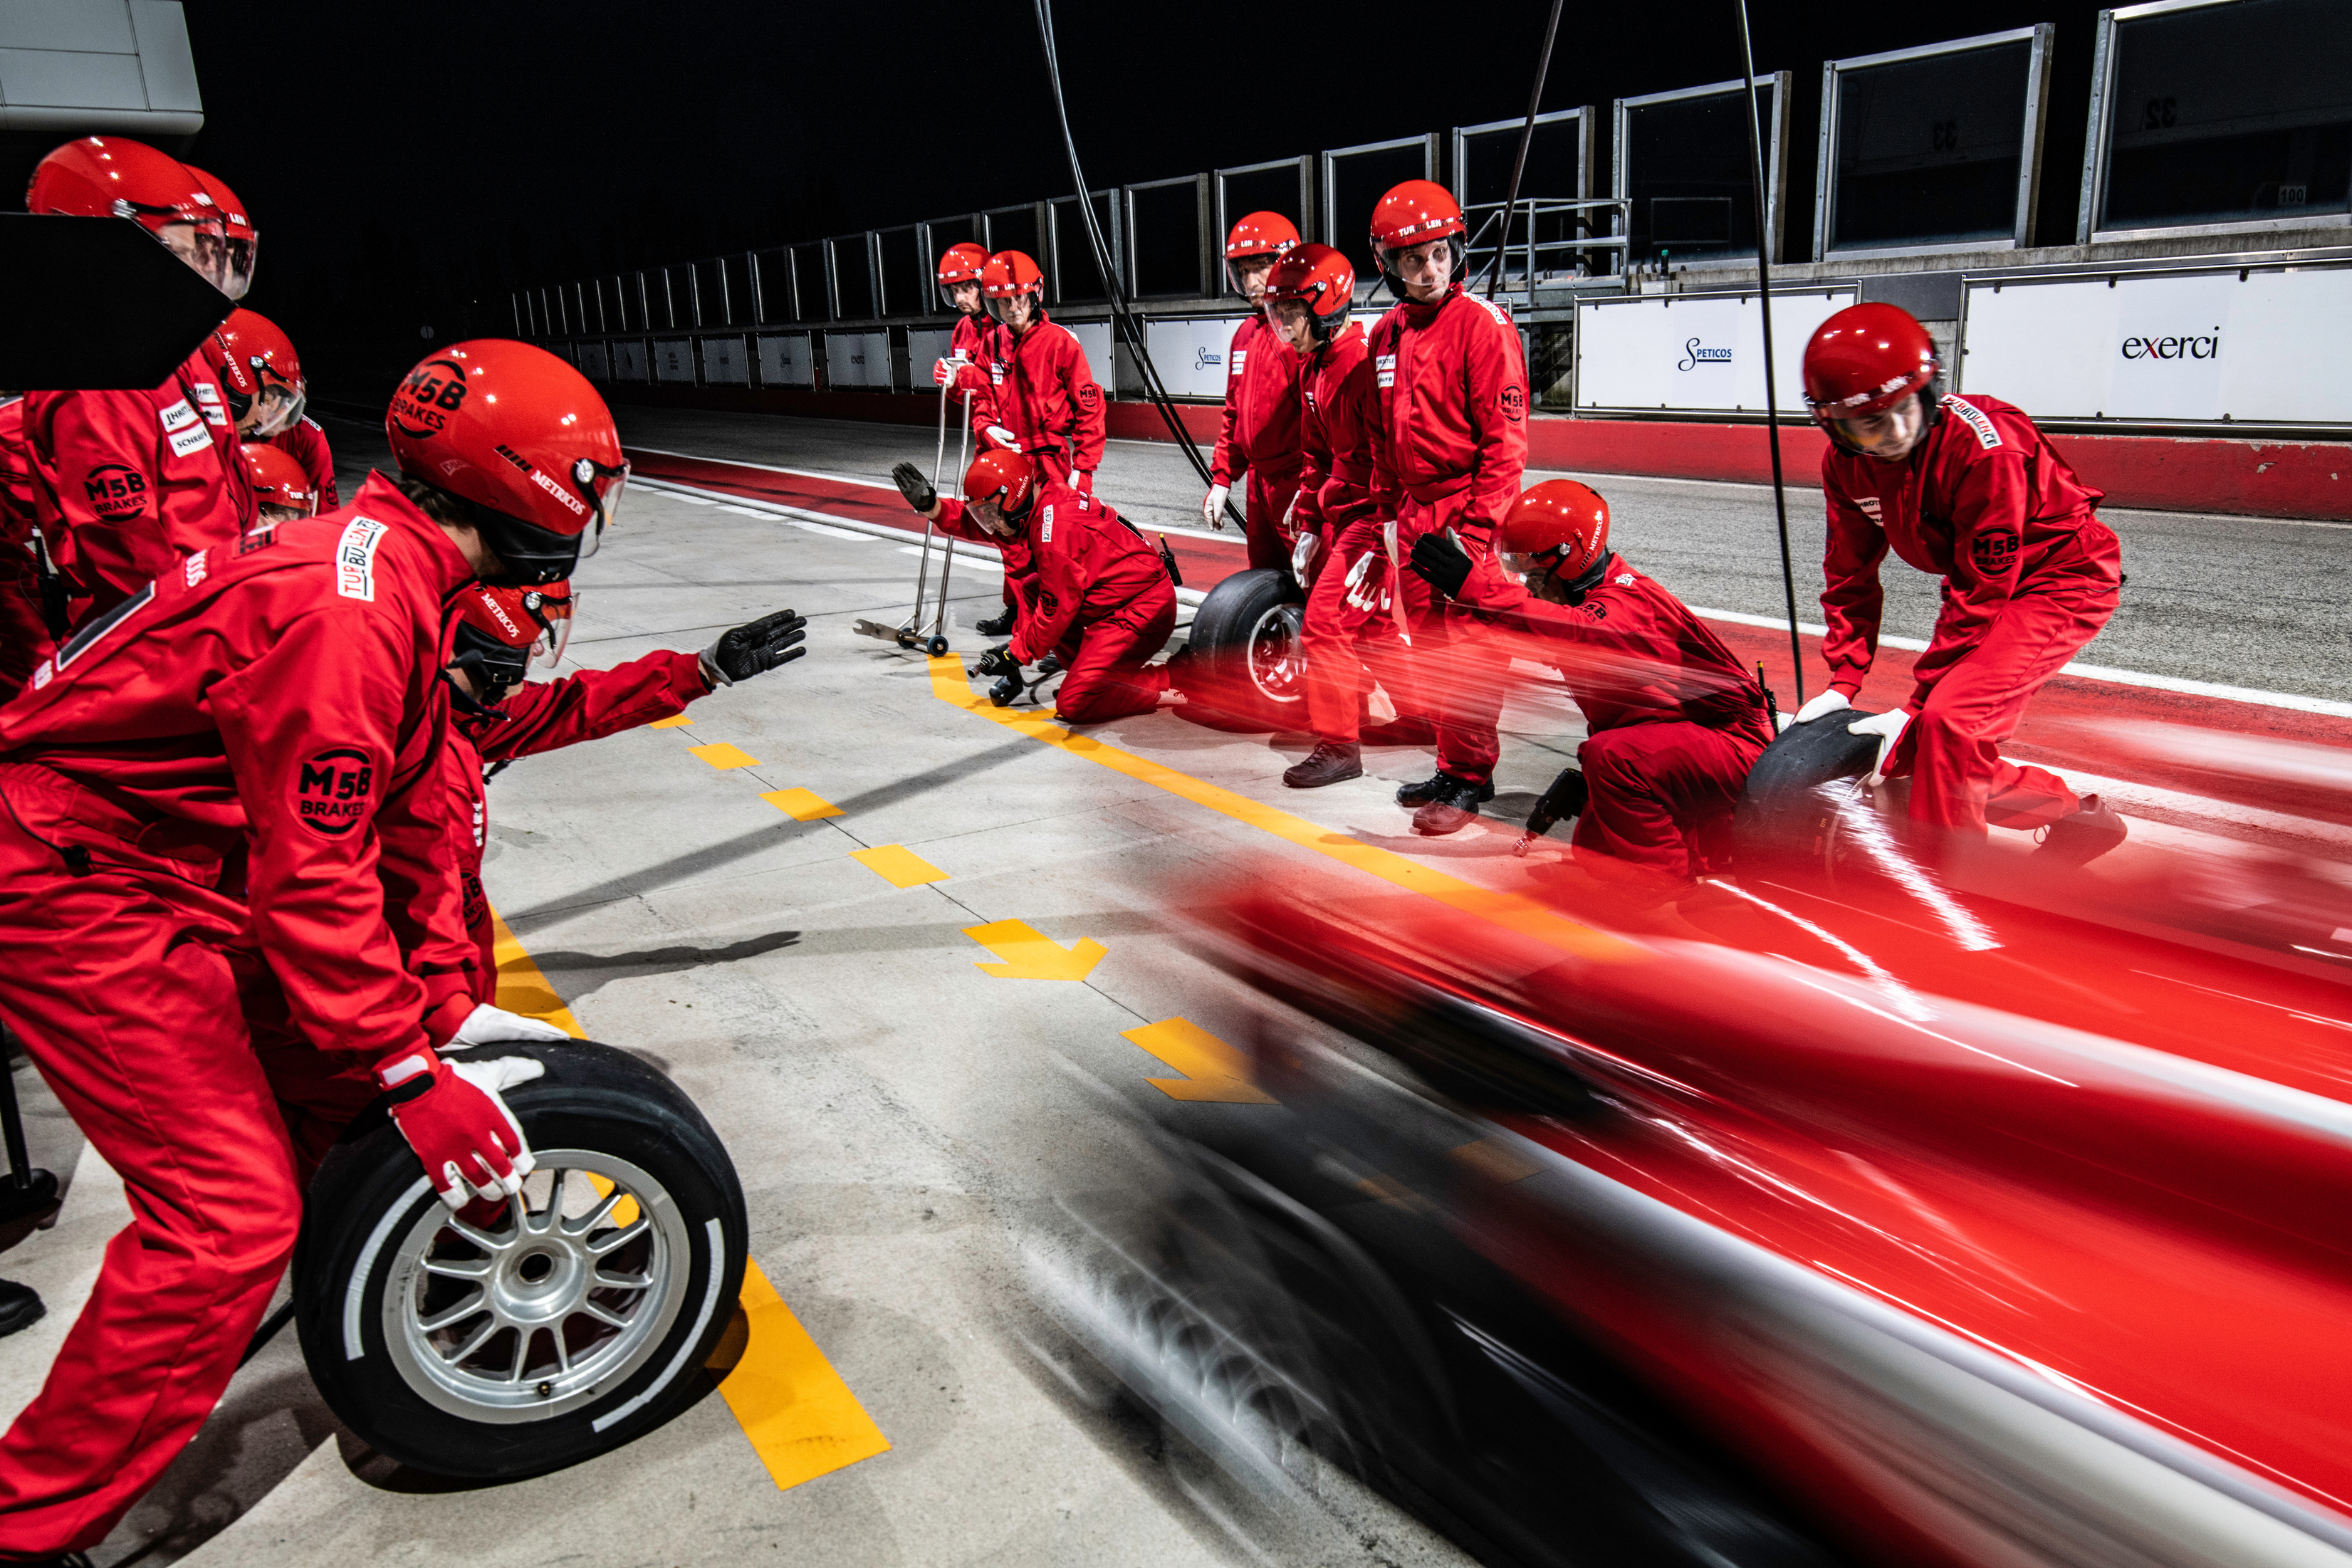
{"points": [[1349, 632], [125, 483], [24, 635], [1450, 452], [306, 443], [1258, 437], [226, 898], [1672, 722], [545, 715], [2030, 575], [1100, 602], [1046, 396]]}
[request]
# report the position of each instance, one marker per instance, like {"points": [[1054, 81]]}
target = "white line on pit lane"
{"points": [[963, 557]]}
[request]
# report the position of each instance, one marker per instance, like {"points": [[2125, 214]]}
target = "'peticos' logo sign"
{"points": [[1695, 356], [2206, 347]]}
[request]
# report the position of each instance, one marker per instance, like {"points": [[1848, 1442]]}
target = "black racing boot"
{"points": [[1451, 809], [1329, 762], [999, 625], [2079, 840], [20, 1307], [1428, 789]]}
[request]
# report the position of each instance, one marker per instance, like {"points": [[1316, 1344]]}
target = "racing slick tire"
{"points": [[1248, 664], [1788, 812], [576, 1323]]}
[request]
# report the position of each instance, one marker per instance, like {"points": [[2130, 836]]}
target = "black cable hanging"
{"points": [[1771, 393], [1152, 386], [1519, 163]]}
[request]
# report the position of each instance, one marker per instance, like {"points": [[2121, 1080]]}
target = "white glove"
{"points": [[1888, 728], [945, 370], [1003, 438], [488, 1025], [1290, 516], [1083, 480], [1368, 590], [1828, 701], [1213, 506], [1302, 553]]}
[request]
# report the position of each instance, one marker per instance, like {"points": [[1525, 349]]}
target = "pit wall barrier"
{"points": [[2307, 480]]}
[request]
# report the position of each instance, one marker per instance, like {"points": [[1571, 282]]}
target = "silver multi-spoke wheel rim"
{"points": [[552, 1308], [1277, 653]]}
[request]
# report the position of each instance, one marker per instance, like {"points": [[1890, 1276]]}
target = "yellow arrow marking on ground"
{"points": [[801, 804], [801, 1418], [722, 755], [900, 865], [1513, 911], [1214, 1071], [1029, 956]]}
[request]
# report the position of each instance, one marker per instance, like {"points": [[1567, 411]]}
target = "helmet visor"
{"points": [[238, 254], [554, 615], [602, 488], [203, 246], [967, 287], [277, 408], [1241, 271]]}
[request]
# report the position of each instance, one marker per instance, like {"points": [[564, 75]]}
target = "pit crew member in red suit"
{"points": [[1349, 637], [1048, 403], [1672, 721], [125, 483], [261, 380], [1102, 604], [967, 364], [1966, 488], [1448, 453], [501, 715], [227, 906], [1258, 435]]}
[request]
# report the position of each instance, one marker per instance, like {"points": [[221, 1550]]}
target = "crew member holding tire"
{"points": [[1102, 604], [126, 483], [1448, 454], [1967, 488], [261, 380], [501, 715], [228, 906], [1048, 406], [1258, 435], [1673, 720], [1350, 639]]}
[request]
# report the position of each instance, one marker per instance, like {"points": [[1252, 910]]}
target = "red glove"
{"points": [[460, 1127]]}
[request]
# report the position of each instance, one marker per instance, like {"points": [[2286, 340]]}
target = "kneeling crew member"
{"points": [[1672, 722], [228, 908], [1101, 605], [1966, 488]]}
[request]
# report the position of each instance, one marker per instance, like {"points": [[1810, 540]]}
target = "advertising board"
{"points": [[1695, 354], [784, 359], [858, 359], [1190, 353]]}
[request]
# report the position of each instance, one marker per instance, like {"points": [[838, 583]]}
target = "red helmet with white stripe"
{"points": [[500, 629], [1318, 275], [1865, 360], [1416, 213], [280, 487], [960, 264], [113, 176], [1007, 479], [1558, 526], [1255, 242], [261, 378]]}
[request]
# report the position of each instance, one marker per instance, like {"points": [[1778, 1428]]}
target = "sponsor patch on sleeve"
{"points": [[1515, 403], [177, 415], [1046, 527], [1994, 551], [1869, 505], [355, 559], [1385, 364], [117, 490], [333, 790], [193, 569], [1089, 397], [1241, 356], [1976, 419], [187, 443]]}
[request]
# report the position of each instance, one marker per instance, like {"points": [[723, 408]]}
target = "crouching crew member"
{"points": [[1674, 723], [1102, 604], [1448, 453], [228, 908], [1966, 488], [501, 715], [1258, 437]]}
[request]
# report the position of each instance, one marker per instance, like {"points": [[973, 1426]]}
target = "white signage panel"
{"points": [[1695, 352], [926, 346], [784, 360], [674, 359], [2257, 349], [723, 362], [1190, 355], [629, 359], [858, 359]]}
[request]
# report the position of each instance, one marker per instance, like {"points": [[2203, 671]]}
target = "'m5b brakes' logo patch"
{"points": [[334, 790], [114, 490], [1994, 552]]}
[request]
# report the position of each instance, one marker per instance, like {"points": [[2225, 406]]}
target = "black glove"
{"points": [[998, 661], [1566, 799], [751, 650], [1441, 563], [914, 487]]}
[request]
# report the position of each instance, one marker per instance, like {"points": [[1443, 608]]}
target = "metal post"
{"points": [[1771, 393], [1519, 163]]}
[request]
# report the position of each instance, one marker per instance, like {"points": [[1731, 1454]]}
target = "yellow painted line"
{"points": [[901, 866], [802, 1419], [1513, 911], [675, 721], [801, 804], [522, 988], [719, 755], [1214, 1071], [1028, 955]]}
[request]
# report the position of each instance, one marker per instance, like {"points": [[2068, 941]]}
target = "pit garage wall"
{"points": [[2304, 479]]}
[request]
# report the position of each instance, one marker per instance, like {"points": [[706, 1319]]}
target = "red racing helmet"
{"points": [[113, 176], [261, 376], [498, 629], [522, 437], [242, 239], [1559, 526], [1260, 234], [1318, 275], [960, 264], [278, 482], [1010, 272], [1412, 211], [1865, 360], [1008, 478]]}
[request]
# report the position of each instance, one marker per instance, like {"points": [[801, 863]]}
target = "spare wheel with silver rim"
{"points": [[1248, 664]]}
